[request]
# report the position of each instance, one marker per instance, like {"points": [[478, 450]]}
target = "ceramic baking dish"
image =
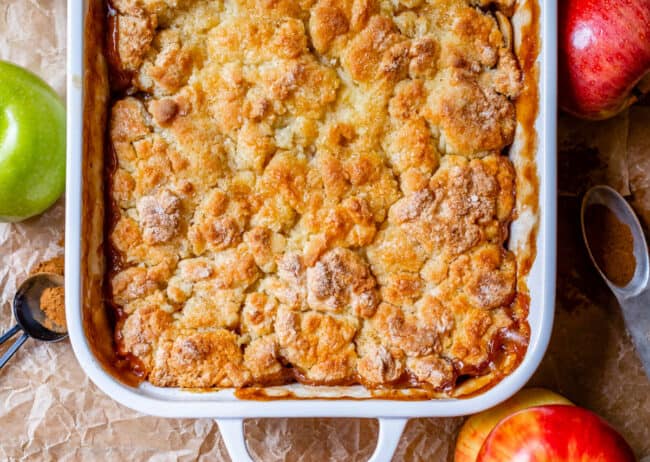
{"points": [[532, 236]]}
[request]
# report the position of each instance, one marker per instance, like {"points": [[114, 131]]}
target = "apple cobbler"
{"points": [[313, 191]]}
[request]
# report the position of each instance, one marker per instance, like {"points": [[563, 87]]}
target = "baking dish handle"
{"points": [[390, 432], [232, 432]]}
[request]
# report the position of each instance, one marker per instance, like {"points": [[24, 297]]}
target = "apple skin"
{"points": [[476, 429], [604, 51], [555, 433], [32, 144]]}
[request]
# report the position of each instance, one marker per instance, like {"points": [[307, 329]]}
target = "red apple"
{"points": [[604, 52], [476, 429], [554, 433]]}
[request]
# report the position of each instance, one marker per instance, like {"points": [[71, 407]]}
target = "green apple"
{"points": [[32, 144]]}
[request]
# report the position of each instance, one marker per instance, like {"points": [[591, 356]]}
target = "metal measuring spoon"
{"points": [[30, 318], [634, 297]]}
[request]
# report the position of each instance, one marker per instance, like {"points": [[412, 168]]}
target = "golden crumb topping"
{"points": [[313, 190]]}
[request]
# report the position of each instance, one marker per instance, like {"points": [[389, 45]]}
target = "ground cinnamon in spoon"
{"points": [[53, 299], [611, 243], [53, 306]]}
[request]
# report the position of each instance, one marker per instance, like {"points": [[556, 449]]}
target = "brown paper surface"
{"points": [[50, 411], [639, 161], [592, 153]]}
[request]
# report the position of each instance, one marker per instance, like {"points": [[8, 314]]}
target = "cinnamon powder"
{"points": [[55, 265], [53, 306], [611, 243], [53, 299]]}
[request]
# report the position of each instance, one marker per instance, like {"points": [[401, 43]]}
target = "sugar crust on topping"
{"points": [[313, 190]]}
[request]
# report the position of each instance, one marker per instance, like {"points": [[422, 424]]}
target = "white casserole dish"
{"points": [[534, 228]]}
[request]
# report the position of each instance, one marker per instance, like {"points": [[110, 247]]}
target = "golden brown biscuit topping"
{"points": [[313, 190]]}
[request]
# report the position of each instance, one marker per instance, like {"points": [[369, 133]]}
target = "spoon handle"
{"points": [[12, 349], [10, 333], [636, 313]]}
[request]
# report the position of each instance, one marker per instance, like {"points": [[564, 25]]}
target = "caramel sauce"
{"points": [[95, 318], [262, 394], [120, 78], [527, 107], [101, 72]]}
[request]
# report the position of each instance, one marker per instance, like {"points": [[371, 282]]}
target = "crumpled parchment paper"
{"points": [[49, 409]]}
